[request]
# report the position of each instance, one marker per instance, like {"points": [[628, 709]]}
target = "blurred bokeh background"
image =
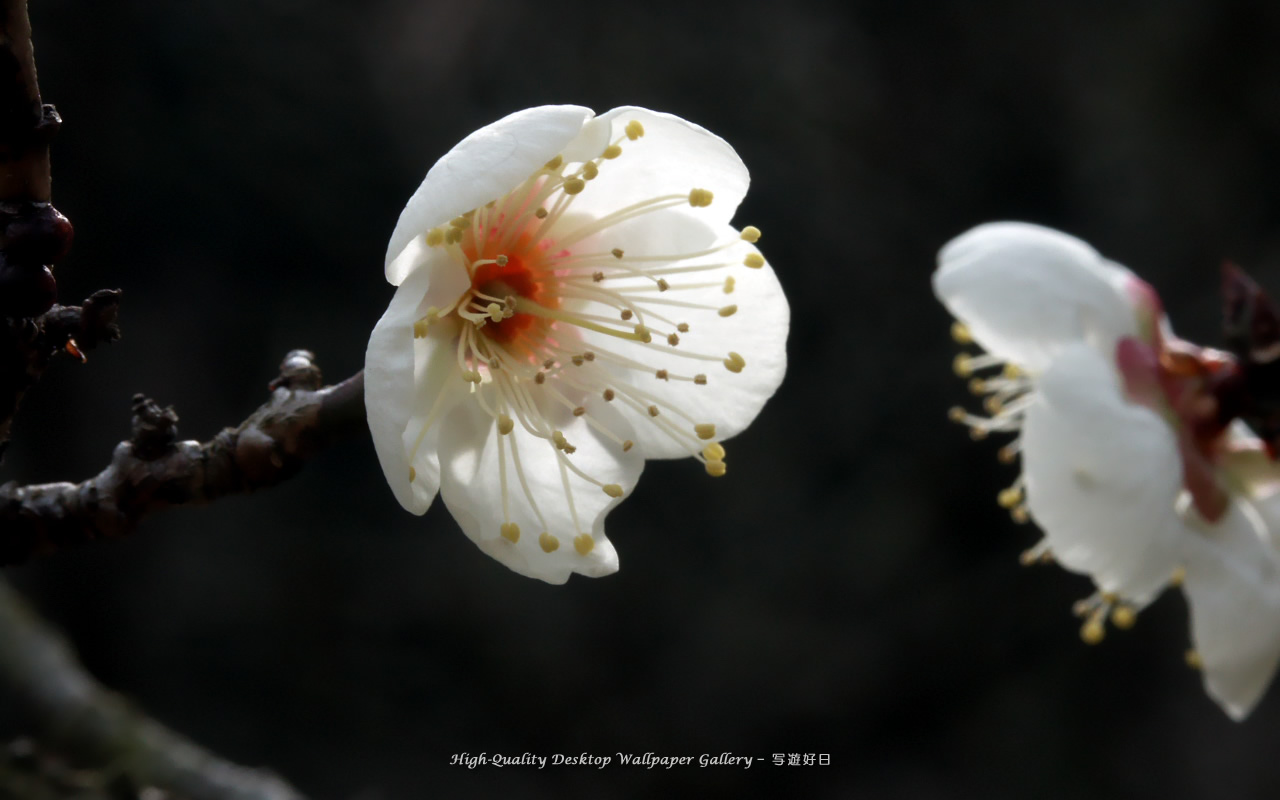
{"points": [[851, 588]]}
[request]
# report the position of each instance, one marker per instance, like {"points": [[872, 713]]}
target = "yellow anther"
{"points": [[1006, 454], [472, 376], [1179, 575], [505, 424], [420, 328], [589, 355], [460, 222], [510, 532], [706, 430], [608, 395], [683, 327], [583, 543], [574, 185], [1020, 514], [495, 312], [962, 365], [435, 237], [548, 543], [713, 452], [977, 386], [960, 332], [554, 163], [751, 234], [663, 285], [501, 260], [540, 378], [541, 213], [653, 411], [1035, 555], [612, 151], [673, 339], [577, 360], [413, 474], [1008, 498], [716, 468], [1012, 371], [634, 130], [626, 314], [993, 405], [1123, 617], [612, 489], [1192, 657], [597, 276], [728, 311], [617, 253], [729, 284], [956, 414], [700, 198], [627, 445], [590, 170], [734, 363], [642, 333], [453, 236], [662, 375], [549, 363], [753, 260], [1093, 632], [579, 411]]}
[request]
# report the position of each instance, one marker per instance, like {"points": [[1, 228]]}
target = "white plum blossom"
{"points": [[572, 300], [1131, 465]]}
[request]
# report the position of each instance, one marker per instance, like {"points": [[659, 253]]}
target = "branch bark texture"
{"points": [[153, 470]]}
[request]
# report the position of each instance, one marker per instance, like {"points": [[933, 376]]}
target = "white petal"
{"points": [[471, 487], [1025, 291], [673, 157], [1102, 478], [482, 167], [392, 396], [757, 331], [1233, 588]]}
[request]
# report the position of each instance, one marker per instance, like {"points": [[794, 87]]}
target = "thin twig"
{"points": [[152, 470]]}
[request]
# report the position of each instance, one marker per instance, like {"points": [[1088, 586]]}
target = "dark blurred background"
{"points": [[851, 588]]}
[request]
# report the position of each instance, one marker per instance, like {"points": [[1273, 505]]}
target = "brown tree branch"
{"points": [[152, 470], [81, 719]]}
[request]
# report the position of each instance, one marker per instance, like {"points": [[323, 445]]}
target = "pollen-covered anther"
{"points": [[577, 360], [634, 130], [548, 543], [505, 424], [597, 276], [642, 333], [728, 311], [589, 355], [716, 468], [683, 327], [662, 375], [557, 438], [413, 474], [579, 411], [960, 333], [611, 152], [1009, 498], [435, 237], [700, 198], [495, 312], [1093, 631], [1007, 454], [471, 376], [729, 283], [612, 489], [653, 411], [1193, 660], [554, 163], [713, 452], [453, 236], [734, 363], [1123, 616], [627, 445], [590, 171], [663, 285], [962, 365], [753, 260], [541, 213], [540, 378], [617, 253], [510, 531], [626, 314], [993, 405], [460, 222], [583, 543], [1018, 514], [574, 185], [420, 328], [1040, 554], [607, 395], [705, 430], [700, 379], [750, 234], [978, 386], [673, 339]]}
